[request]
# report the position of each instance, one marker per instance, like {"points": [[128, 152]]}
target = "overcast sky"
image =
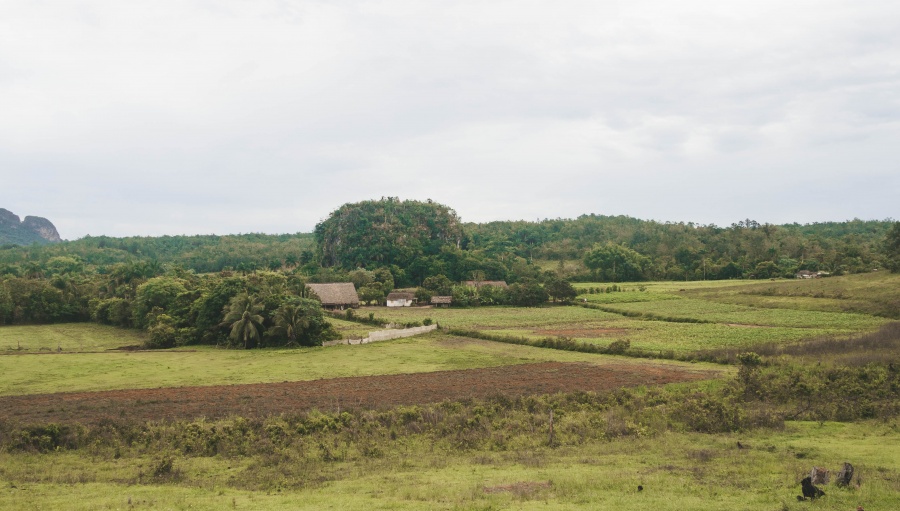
{"points": [[216, 116]]}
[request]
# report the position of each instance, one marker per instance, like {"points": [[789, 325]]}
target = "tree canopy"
{"points": [[385, 233]]}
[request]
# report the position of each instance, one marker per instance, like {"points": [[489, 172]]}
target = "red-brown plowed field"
{"points": [[360, 392]]}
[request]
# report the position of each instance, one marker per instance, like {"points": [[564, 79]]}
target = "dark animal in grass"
{"points": [[845, 475], [640, 488], [810, 491]]}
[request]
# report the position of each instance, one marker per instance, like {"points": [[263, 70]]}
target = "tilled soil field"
{"points": [[264, 399]]}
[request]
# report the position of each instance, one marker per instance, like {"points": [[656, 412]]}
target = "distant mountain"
{"points": [[33, 229]]}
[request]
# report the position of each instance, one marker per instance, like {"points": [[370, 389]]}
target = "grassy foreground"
{"points": [[677, 471]]}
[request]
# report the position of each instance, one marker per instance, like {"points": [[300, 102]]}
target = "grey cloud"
{"points": [[132, 120]]}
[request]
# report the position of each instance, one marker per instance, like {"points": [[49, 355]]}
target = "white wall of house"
{"points": [[399, 303]]}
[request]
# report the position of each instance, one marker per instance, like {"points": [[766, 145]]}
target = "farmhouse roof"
{"points": [[441, 299], [484, 283], [400, 295], [339, 293]]}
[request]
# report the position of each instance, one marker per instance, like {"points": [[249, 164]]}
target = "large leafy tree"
{"points": [[616, 263], [372, 293], [438, 285], [527, 293], [243, 315], [560, 289], [386, 232], [157, 293]]}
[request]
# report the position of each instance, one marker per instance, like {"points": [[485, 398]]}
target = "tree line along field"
{"points": [[493, 449]]}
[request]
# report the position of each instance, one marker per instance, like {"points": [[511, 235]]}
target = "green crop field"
{"points": [[725, 313], [869, 293], [626, 297], [667, 286], [46, 373], [675, 337], [679, 317], [488, 318]]}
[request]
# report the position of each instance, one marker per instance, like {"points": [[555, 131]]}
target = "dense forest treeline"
{"points": [[201, 253], [687, 251], [185, 286]]}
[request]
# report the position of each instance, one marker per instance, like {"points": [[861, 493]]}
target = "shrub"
{"points": [[161, 337], [709, 414], [618, 347]]}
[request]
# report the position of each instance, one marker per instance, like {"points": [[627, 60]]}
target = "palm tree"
{"points": [[242, 314], [291, 319]]}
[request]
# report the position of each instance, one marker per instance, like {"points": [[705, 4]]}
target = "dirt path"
{"points": [[331, 394]]}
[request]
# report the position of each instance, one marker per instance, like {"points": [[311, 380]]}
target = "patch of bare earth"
{"points": [[263, 399]]}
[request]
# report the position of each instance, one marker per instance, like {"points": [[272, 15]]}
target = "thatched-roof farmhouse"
{"points": [[338, 295], [400, 299]]}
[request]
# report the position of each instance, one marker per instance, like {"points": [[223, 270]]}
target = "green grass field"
{"points": [[677, 337], [46, 373], [350, 329], [677, 471], [727, 313], [869, 293], [67, 338]]}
